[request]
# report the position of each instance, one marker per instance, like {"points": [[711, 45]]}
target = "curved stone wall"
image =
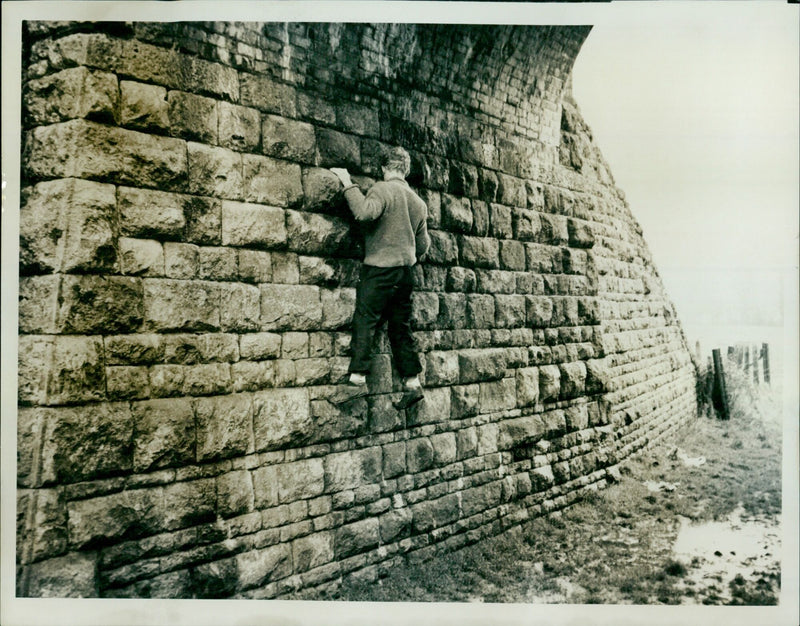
{"points": [[187, 277]]}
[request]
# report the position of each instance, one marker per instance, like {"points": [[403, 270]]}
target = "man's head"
{"points": [[396, 162]]}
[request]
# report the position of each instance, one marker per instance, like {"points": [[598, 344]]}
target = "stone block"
{"points": [[239, 127], [452, 311], [300, 480], [260, 346], [321, 190], [511, 191], [86, 442], [133, 349], [143, 107], [356, 538], [38, 304], [527, 386], [240, 307], [580, 233], [481, 498], [487, 439], [512, 256], [509, 311], [479, 252], [255, 266], [555, 423], [193, 117], [141, 257], [433, 200], [456, 214], [539, 311], [463, 180], [419, 455], [444, 448], [252, 375], [443, 249], [41, 525], [216, 579], [348, 470], [254, 225], [164, 434], [203, 220], [281, 418], [83, 149], [216, 263], [460, 279], [394, 459], [496, 281], [69, 576], [269, 181], [127, 382], [424, 309], [234, 493], [199, 348], [188, 504], [149, 214], [288, 139], [66, 225], [535, 195], [312, 551], [434, 407], [435, 513], [338, 307], [480, 311], [215, 171], [598, 378], [549, 383], [577, 417], [521, 431], [290, 307], [312, 107], [76, 92], [224, 426], [335, 149], [395, 525], [357, 119], [554, 230], [267, 95], [177, 305], [312, 233], [542, 478], [487, 185], [441, 368], [481, 364], [466, 442], [34, 358], [527, 225], [76, 371], [573, 379], [500, 395], [181, 260]]}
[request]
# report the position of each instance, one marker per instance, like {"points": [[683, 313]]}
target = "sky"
{"points": [[696, 113]]}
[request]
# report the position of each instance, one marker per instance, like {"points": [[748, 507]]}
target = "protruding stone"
{"points": [[164, 434], [549, 383], [77, 92], [456, 214], [143, 107], [527, 386]]}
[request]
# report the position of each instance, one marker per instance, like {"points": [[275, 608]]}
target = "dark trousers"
{"points": [[384, 294]]}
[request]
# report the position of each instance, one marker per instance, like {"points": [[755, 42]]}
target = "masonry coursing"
{"points": [[187, 279]]}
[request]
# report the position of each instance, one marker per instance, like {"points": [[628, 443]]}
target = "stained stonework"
{"points": [[187, 280]]}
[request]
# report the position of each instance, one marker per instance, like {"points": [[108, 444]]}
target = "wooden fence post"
{"points": [[720, 393]]}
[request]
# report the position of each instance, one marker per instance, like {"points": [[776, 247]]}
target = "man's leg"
{"points": [[402, 341], [372, 294]]}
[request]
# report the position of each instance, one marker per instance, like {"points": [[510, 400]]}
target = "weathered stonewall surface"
{"points": [[187, 281]]}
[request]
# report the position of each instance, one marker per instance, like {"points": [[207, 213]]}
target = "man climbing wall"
{"points": [[395, 238]]}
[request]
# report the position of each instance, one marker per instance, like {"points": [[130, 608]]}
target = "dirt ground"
{"points": [[695, 521]]}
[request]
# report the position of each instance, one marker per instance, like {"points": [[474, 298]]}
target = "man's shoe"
{"points": [[409, 399]]}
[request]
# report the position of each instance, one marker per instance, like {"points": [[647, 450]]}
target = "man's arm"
{"points": [[364, 208]]}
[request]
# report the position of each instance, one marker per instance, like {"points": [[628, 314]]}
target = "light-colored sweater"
{"points": [[394, 219]]}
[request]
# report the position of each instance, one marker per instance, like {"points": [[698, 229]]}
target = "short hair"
{"points": [[397, 160]]}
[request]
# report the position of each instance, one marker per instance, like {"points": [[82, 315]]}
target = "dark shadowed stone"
{"points": [[103, 305], [581, 234], [76, 370], [193, 117], [487, 185], [573, 379], [479, 252], [203, 220], [311, 233], [443, 249], [164, 434], [321, 191], [217, 579], [481, 498], [72, 93], [463, 180], [288, 139], [234, 493], [549, 382], [70, 576], [597, 376], [335, 149], [355, 538], [512, 255]]}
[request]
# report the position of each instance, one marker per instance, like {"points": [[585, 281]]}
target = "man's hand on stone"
{"points": [[343, 175]]}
